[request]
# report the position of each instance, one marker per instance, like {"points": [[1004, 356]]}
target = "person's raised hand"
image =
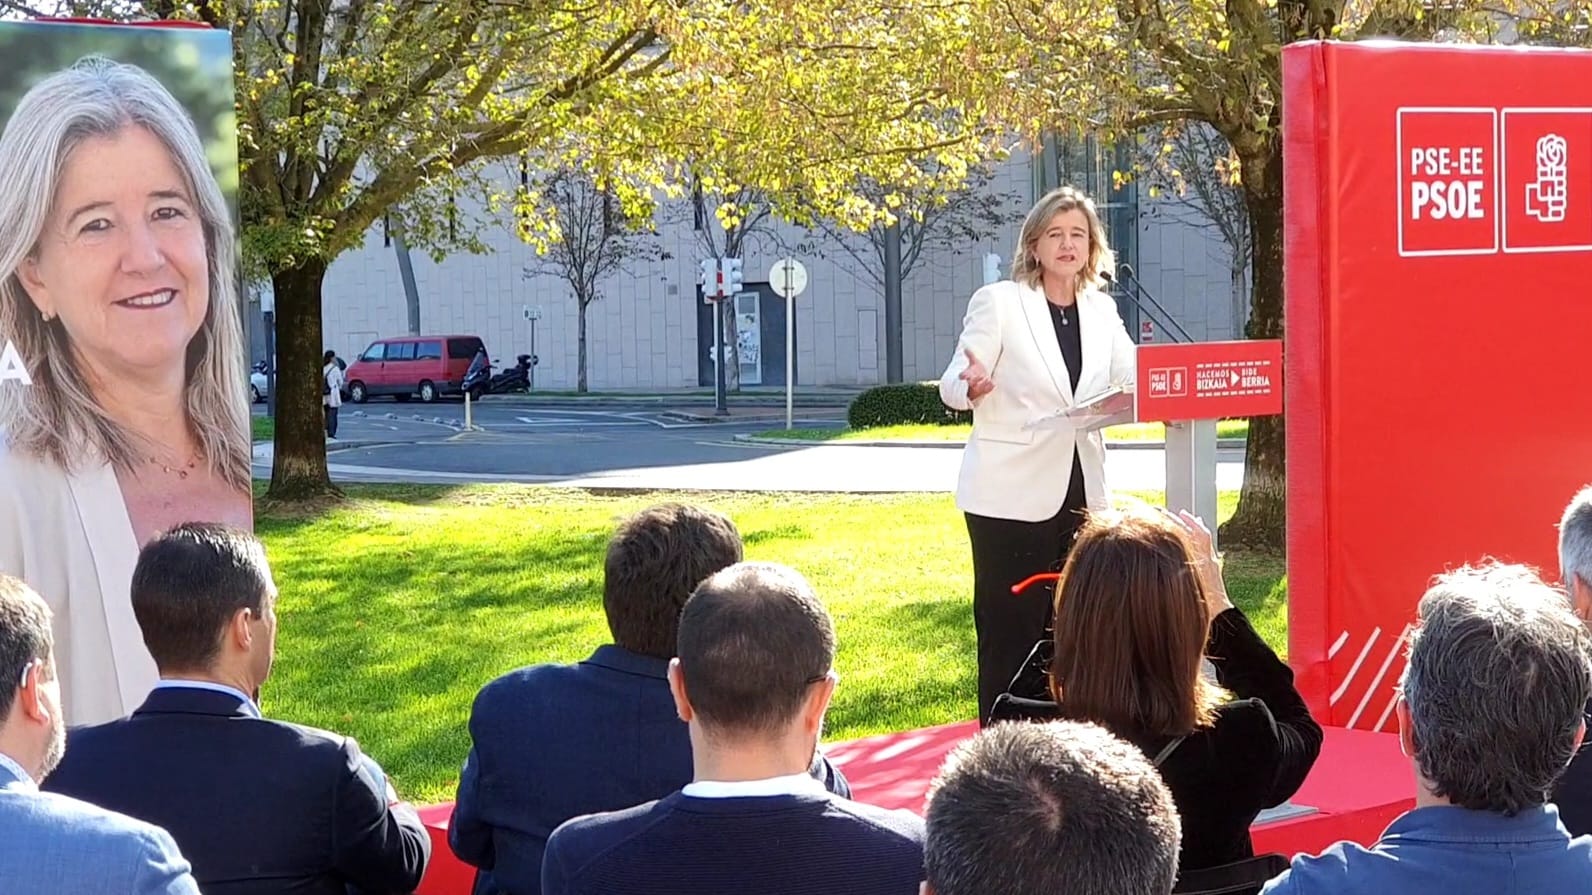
{"points": [[977, 376], [1206, 562]]}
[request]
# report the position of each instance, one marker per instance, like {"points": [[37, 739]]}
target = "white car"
{"points": [[259, 386]]}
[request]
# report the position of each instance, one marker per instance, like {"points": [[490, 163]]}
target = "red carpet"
{"points": [[1360, 783]]}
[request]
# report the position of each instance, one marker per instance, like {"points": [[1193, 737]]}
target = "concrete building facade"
{"points": [[651, 330]]}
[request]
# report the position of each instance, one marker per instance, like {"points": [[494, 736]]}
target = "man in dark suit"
{"points": [[258, 806], [1573, 794], [50, 843], [552, 742], [753, 677]]}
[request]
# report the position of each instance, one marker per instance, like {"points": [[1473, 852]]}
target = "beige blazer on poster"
{"points": [[70, 539], [1009, 472]]}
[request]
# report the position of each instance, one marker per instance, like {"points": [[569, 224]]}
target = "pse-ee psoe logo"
{"points": [[1547, 175], [1448, 181]]}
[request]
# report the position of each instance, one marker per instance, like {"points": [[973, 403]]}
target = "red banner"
{"points": [[1438, 237], [1209, 380]]}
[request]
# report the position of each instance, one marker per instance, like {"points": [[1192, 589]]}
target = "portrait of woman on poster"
{"points": [[1044, 341], [118, 287]]}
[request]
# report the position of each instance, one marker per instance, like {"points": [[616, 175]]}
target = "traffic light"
{"points": [[708, 276], [732, 276]]}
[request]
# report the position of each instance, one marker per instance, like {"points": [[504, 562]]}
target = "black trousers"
{"points": [[331, 421], [1005, 551]]}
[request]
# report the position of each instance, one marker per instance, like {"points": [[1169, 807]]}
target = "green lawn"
{"points": [[959, 432], [264, 428], [399, 603]]}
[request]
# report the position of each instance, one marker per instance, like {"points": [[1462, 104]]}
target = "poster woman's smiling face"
{"points": [[122, 258]]}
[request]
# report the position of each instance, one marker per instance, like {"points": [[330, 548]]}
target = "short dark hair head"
{"points": [[656, 558], [1036, 809], [327, 357], [24, 636], [187, 586], [1497, 684], [753, 639]]}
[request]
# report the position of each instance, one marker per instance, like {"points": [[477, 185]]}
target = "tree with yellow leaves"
{"points": [[357, 111], [1115, 68]]}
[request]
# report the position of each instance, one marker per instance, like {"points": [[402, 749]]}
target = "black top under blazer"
{"points": [[1254, 757]]}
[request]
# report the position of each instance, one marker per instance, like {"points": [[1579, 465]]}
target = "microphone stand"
{"points": [[1147, 302]]}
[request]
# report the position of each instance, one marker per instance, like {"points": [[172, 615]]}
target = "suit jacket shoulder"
{"points": [[112, 852]]}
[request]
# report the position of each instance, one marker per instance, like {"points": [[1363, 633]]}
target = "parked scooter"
{"points": [[513, 379], [478, 378]]}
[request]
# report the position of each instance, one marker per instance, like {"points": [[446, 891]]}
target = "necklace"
{"points": [[181, 469], [1062, 311]]}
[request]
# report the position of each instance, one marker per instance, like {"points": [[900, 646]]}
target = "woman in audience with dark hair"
{"points": [[1140, 605]]}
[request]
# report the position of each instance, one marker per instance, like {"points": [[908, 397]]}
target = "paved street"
{"points": [[650, 446]]}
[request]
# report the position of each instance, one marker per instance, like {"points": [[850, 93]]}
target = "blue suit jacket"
{"points": [[552, 742], [51, 843], [258, 806]]}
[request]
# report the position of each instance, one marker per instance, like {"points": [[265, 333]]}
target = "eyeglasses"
{"points": [[819, 677], [1032, 580]]}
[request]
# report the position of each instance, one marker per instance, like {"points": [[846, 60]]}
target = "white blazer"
{"points": [[69, 537], [1012, 473]]}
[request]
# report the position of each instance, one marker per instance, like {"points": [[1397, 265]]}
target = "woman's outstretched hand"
{"points": [[978, 379]]}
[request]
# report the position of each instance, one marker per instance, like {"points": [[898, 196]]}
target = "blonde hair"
{"points": [[1026, 268], [58, 416]]}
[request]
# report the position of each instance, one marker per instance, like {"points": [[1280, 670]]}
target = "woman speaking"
{"points": [[1042, 342]]}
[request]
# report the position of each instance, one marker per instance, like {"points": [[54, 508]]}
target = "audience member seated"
{"points": [[51, 843], [1573, 795], [1140, 605], [258, 806], [1040, 809], [1490, 713], [552, 742], [753, 678]]}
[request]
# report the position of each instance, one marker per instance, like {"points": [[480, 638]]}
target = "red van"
{"points": [[428, 366]]}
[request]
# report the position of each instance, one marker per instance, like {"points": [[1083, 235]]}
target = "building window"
{"points": [[1084, 163]]}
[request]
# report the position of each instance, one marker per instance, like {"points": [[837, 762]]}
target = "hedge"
{"points": [[913, 402]]}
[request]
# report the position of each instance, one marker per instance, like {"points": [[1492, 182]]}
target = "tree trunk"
{"points": [[298, 469], [1261, 519], [1239, 293], [580, 344]]}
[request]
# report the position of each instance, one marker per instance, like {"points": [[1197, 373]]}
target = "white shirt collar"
{"points": [[25, 781], [790, 785], [174, 683]]}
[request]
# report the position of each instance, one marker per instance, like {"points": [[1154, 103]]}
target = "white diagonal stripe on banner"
{"points": [[1337, 645], [1380, 673], [1393, 700], [1355, 668]]}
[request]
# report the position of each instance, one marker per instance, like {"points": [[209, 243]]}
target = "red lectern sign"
{"points": [[1209, 380], [1438, 233]]}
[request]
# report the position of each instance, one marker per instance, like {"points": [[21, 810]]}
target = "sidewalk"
{"points": [[749, 396], [1223, 444]]}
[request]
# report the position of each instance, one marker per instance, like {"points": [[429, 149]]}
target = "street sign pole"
{"points": [[720, 406], [531, 316], [789, 278], [790, 356]]}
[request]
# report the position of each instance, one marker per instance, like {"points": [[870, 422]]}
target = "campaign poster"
{"points": [[1438, 234], [123, 368]]}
